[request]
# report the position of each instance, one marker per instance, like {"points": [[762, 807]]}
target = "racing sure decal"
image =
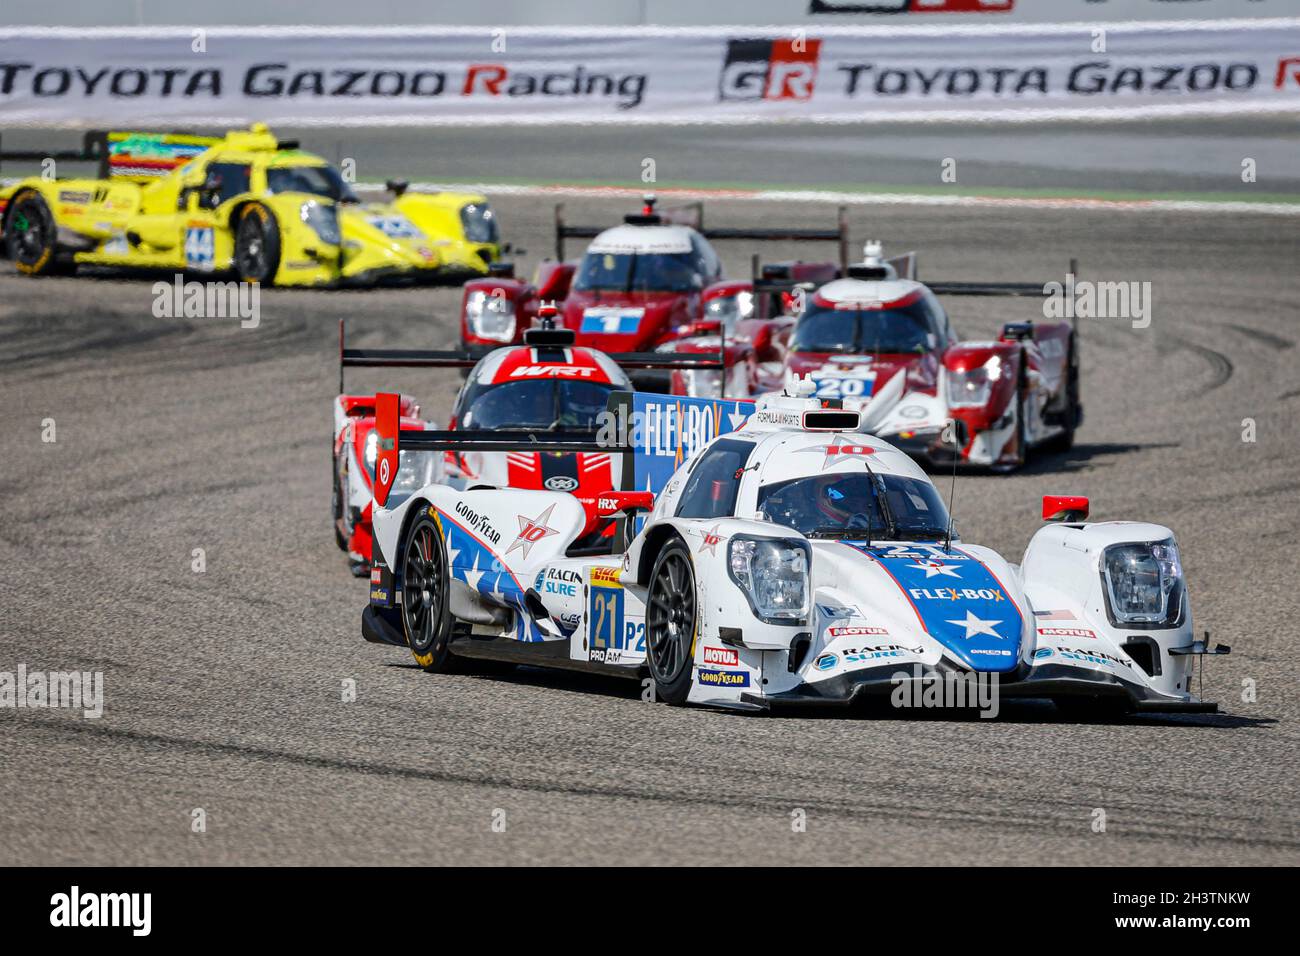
{"points": [[958, 600], [1078, 655]]}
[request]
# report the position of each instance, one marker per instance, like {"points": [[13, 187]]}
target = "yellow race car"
{"points": [[242, 203]]}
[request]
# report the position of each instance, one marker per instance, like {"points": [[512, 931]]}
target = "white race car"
{"points": [[785, 558]]}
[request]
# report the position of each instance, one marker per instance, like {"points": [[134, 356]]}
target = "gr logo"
{"points": [[769, 69]]}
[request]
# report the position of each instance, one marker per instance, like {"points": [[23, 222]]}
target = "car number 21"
{"points": [[606, 626]]}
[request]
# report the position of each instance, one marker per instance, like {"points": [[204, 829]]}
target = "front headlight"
{"points": [[773, 573], [972, 388], [490, 316], [323, 220], [730, 309], [479, 222], [414, 470], [1144, 584], [703, 382], [371, 451]]}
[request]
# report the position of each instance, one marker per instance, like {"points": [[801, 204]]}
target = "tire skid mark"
{"points": [[1267, 338], [1221, 367]]}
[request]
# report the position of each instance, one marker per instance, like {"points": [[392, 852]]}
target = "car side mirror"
{"points": [[1067, 508], [210, 191]]}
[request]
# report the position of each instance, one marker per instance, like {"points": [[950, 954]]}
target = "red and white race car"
{"points": [[878, 334], [546, 384], [356, 448], [655, 279]]}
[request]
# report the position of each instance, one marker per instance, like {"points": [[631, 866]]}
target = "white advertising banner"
{"points": [[445, 75]]}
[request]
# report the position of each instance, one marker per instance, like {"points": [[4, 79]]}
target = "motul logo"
{"points": [[721, 655], [1065, 632], [769, 69]]}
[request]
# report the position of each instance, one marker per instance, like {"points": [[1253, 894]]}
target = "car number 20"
{"points": [[842, 387]]}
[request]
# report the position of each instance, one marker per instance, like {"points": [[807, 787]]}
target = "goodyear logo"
{"points": [[716, 678]]}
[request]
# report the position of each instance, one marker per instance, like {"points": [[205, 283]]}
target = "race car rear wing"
{"points": [[1024, 289], [397, 358], [94, 149], [393, 440], [679, 425], [905, 265], [693, 216], [122, 154], [429, 358]]}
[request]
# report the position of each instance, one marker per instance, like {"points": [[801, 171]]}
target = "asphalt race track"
{"points": [[1190, 156], [223, 687]]}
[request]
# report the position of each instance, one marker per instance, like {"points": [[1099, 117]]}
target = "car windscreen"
{"points": [[536, 403], [639, 272], [842, 504], [316, 180], [824, 328]]}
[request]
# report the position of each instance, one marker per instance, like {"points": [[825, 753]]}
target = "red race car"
{"points": [[878, 335], [651, 281], [545, 385]]}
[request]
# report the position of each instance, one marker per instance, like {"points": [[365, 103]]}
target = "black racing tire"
{"points": [[1072, 414], [1022, 404], [336, 507], [1021, 447], [1022, 388], [672, 622], [426, 608], [257, 244], [30, 234]]}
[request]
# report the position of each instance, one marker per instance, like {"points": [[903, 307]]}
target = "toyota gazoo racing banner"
{"points": [[372, 76]]}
